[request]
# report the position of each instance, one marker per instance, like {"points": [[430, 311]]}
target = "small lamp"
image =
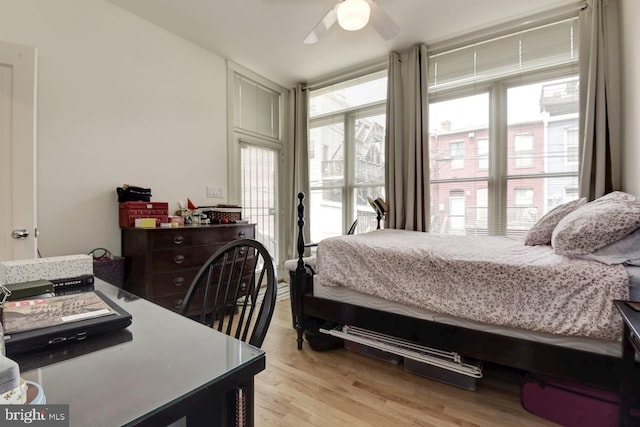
{"points": [[380, 207], [353, 15]]}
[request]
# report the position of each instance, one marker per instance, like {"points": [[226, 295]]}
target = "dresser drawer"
{"points": [[183, 258], [175, 282], [161, 263], [174, 302], [184, 237]]}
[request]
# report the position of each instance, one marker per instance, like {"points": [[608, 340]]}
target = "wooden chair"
{"points": [[235, 291]]}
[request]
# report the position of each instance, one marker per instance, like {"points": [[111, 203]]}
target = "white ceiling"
{"points": [[266, 36]]}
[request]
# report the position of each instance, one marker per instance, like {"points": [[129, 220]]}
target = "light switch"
{"points": [[215, 191]]}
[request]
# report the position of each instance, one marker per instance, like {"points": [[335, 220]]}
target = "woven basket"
{"points": [[108, 267]]}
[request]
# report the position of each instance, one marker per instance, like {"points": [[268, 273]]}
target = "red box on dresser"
{"points": [[129, 211]]}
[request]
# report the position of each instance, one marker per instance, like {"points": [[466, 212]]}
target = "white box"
{"points": [[50, 268]]}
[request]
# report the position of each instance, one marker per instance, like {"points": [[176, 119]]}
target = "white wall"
{"points": [[630, 90], [119, 101]]}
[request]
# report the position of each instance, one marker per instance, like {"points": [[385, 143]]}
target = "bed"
{"points": [[551, 312]]}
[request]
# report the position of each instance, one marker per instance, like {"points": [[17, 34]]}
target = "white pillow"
{"points": [[597, 224], [540, 233]]}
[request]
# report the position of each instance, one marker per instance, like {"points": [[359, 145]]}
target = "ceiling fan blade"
{"points": [[382, 22], [323, 26]]}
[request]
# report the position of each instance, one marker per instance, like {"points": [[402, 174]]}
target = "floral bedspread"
{"points": [[491, 279]]}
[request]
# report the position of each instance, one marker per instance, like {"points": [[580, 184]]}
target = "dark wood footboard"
{"points": [[531, 356]]}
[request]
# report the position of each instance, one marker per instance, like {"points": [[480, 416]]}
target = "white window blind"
{"points": [[525, 51], [499, 114], [256, 107]]}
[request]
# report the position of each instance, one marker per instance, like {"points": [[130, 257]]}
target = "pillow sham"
{"points": [[597, 224], [540, 233], [624, 251]]}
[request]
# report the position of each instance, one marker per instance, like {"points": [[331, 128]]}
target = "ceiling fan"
{"points": [[353, 15]]}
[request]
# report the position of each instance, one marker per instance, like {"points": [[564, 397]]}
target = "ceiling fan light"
{"points": [[353, 15]]}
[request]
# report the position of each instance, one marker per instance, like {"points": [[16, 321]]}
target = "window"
{"points": [[523, 150], [456, 152], [258, 185], [512, 101], [347, 126], [571, 145], [483, 153], [482, 198], [456, 212], [523, 214], [255, 152]]}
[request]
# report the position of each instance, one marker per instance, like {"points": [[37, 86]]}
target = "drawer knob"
{"points": [[241, 234], [243, 251], [178, 240], [178, 281], [178, 304], [178, 259]]}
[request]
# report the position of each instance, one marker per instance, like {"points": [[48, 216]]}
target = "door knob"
{"points": [[20, 234]]}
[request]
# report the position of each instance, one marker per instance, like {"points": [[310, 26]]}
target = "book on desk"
{"points": [[36, 323]]}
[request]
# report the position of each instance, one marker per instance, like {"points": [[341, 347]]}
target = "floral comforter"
{"points": [[496, 280]]}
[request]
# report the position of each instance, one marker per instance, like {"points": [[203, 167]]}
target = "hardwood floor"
{"points": [[344, 388]]}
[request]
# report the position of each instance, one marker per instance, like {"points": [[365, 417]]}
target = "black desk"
{"points": [[160, 368], [630, 347]]}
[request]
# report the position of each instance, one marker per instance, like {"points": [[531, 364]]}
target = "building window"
{"points": [[571, 145], [456, 153], [482, 146], [523, 150], [482, 199], [347, 123], [456, 212], [513, 96], [524, 213]]}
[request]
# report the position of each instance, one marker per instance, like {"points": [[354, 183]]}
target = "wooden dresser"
{"points": [[160, 263]]}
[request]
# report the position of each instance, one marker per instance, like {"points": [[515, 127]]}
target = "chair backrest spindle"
{"points": [[238, 279]]}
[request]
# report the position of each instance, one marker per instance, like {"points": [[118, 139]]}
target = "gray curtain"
{"points": [[298, 162], [407, 141], [599, 130]]}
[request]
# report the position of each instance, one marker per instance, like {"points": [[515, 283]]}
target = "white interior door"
{"points": [[18, 232]]}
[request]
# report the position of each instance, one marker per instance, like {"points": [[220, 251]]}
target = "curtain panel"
{"points": [[599, 130], [407, 141], [298, 162]]}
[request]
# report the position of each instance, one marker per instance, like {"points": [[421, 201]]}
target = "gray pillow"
{"points": [[540, 233], [624, 251], [597, 224]]}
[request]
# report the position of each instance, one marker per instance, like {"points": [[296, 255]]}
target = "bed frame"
{"points": [[521, 354]]}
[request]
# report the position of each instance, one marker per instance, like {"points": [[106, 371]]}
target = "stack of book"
{"points": [[47, 288], [50, 276]]}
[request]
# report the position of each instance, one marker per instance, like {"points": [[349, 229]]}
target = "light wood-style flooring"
{"points": [[344, 388]]}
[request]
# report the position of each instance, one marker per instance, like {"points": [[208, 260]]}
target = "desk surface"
{"points": [[631, 317], [152, 371]]}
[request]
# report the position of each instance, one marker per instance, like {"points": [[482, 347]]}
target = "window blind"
{"points": [[532, 49]]}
